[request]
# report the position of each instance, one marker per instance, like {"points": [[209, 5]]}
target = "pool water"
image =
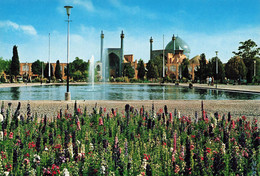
{"points": [[120, 92]]}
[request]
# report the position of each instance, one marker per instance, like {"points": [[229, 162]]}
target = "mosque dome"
{"points": [[179, 45]]}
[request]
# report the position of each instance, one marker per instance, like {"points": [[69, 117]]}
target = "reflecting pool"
{"points": [[120, 92]]}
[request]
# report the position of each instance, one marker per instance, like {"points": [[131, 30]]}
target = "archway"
{"points": [[113, 65]]}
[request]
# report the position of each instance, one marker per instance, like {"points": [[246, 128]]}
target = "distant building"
{"points": [[26, 70], [174, 53], [116, 60]]}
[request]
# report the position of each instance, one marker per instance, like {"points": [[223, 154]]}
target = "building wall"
{"points": [[26, 69]]}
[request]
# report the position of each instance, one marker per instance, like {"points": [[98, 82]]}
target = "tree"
{"points": [[211, 67], [141, 69], [128, 71], [235, 68], [15, 64], [4, 65], [37, 67], [46, 71], [185, 68], [201, 72], [57, 70], [77, 65], [158, 64], [151, 73], [248, 51]]}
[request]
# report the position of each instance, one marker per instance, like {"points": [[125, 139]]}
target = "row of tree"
{"points": [[241, 66], [78, 68]]}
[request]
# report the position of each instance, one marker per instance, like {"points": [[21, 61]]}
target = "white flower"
{"points": [[66, 172], [91, 146], [1, 135], [6, 173], [1, 118], [171, 149], [103, 170]]}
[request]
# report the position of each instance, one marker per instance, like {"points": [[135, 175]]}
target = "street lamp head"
{"points": [[68, 9], [216, 53]]}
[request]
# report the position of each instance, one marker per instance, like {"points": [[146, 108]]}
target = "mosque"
{"points": [[175, 52]]}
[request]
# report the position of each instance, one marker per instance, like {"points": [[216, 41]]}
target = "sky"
{"points": [[205, 25]]}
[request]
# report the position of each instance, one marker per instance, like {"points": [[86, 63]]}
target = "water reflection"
{"points": [[120, 92], [15, 93]]}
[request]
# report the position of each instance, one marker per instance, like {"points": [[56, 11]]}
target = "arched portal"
{"points": [[113, 65]]}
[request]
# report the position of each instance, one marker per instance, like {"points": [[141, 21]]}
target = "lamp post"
{"points": [[67, 94], [216, 69], [254, 68]]}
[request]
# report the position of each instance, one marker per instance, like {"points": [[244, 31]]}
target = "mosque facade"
{"points": [[174, 53]]}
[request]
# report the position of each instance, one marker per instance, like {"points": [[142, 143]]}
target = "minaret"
{"points": [[151, 47], [173, 39], [101, 48], [122, 53]]}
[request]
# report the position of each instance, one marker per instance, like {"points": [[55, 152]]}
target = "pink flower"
{"points": [[78, 125], [11, 135], [101, 121], [170, 117]]}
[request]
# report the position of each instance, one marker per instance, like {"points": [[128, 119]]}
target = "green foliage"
{"points": [[151, 73], [46, 70], [37, 67], [235, 68], [212, 69], [78, 65], [185, 68], [128, 71], [77, 75], [158, 64], [15, 64], [58, 70], [4, 65], [202, 71], [141, 69], [248, 51], [101, 141]]}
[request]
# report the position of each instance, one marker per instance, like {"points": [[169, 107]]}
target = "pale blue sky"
{"points": [[206, 25]]}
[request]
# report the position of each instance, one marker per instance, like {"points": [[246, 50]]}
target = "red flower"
{"points": [[164, 143], [57, 146], [191, 147], [170, 117], [27, 155], [11, 135], [192, 136], [147, 157], [202, 158], [31, 145], [244, 118], [181, 158], [208, 150], [101, 121]]}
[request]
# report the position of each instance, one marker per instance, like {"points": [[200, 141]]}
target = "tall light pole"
{"points": [[216, 69], [163, 60], [67, 94], [254, 68], [49, 74]]}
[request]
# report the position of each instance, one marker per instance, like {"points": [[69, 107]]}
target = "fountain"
{"points": [[91, 75], [105, 66]]}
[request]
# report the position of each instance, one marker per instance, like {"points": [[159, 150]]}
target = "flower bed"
{"points": [[131, 142]]}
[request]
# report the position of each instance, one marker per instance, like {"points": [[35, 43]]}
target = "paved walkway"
{"points": [[243, 88]]}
